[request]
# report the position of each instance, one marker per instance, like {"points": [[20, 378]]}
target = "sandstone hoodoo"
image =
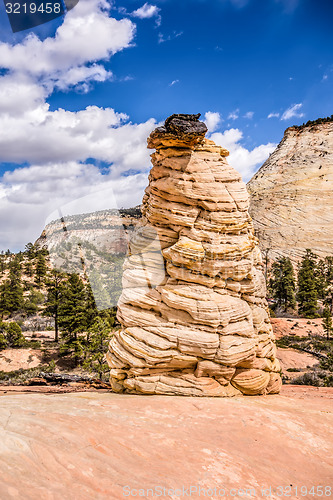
{"points": [[193, 310]]}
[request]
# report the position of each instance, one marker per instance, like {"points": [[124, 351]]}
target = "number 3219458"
{"points": [[32, 8]]}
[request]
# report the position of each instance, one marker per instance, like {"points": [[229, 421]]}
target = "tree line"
{"points": [[28, 287], [307, 291]]}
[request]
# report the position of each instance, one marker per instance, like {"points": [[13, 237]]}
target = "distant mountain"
{"points": [[94, 244], [291, 194]]}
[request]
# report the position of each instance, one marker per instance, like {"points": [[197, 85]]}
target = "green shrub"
{"points": [[14, 335], [3, 341], [11, 335]]}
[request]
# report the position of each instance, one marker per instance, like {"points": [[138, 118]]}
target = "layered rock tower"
{"points": [[193, 310]]}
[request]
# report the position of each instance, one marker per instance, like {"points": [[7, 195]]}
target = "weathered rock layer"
{"points": [[291, 194], [193, 310]]}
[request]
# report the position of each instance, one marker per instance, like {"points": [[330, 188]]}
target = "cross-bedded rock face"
{"points": [[193, 310], [291, 194]]}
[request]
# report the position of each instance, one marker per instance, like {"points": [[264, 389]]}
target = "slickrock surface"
{"points": [[291, 194], [91, 446], [193, 310]]}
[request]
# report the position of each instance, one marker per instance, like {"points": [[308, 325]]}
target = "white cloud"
{"points": [[243, 160], [273, 115], [91, 133], [249, 115], [147, 11], [325, 77], [174, 82], [58, 143], [34, 193], [292, 112], [212, 120], [234, 115], [162, 38], [74, 49]]}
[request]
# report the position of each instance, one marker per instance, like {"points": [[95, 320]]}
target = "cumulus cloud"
{"points": [[292, 112], [242, 159], [273, 115], [249, 115], [70, 56], [33, 196], [147, 11], [61, 150], [91, 133], [234, 115], [212, 120], [58, 173]]}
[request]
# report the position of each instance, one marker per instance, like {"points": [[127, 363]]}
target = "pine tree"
{"points": [[30, 251], [2, 263], [283, 283], [72, 316], [53, 301], [327, 322], [328, 290], [11, 291], [28, 268], [40, 268], [91, 311], [99, 337], [307, 286]]}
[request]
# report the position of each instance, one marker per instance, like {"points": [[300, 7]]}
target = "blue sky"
{"points": [[79, 95]]}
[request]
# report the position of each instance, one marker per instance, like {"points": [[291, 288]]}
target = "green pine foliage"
{"points": [[99, 338], [327, 322], [54, 286], [11, 291], [307, 286], [283, 284], [40, 269], [11, 335], [314, 122], [76, 314]]}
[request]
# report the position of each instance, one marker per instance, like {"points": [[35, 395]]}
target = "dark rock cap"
{"points": [[179, 130]]}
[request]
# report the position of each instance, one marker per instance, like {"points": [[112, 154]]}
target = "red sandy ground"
{"points": [[84, 446], [13, 359], [301, 327], [91, 445]]}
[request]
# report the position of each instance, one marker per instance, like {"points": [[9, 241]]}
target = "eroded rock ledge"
{"points": [[193, 310]]}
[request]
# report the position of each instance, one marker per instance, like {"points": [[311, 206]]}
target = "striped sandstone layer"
{"points": [[193, 310], [291, 194]]}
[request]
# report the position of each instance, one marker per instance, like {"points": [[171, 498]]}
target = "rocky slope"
{"points": [[94, 244], [193, 310], [106, 230], [291, 194]]}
